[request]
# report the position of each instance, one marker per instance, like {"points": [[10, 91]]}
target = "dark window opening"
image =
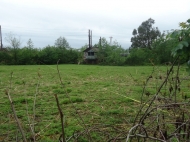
{"points": [[90, 53]]}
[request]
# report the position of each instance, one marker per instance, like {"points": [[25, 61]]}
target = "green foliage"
{"points": [[139, 56], [182, 47], [27, 56], [161, 49], [110, 54], [31, 55], [5, 57], [145, 34], [49, 55]]}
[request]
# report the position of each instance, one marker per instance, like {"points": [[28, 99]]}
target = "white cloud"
{"points": [[45, 20]]}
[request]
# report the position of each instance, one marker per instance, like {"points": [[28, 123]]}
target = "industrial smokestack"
{"points": [[111, 40], [89, 38], [100, 40]]}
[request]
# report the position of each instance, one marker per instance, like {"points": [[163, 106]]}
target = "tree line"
{"points": [[29, 55], [148, 46]]}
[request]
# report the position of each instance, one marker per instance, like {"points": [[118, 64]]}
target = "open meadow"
{"points": [[98, 102]]}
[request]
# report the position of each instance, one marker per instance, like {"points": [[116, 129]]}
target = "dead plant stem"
{"points": [[13, 109], [85, 127]]}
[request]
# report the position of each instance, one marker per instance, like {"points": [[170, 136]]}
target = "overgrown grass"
{"points": [[106, 97]]}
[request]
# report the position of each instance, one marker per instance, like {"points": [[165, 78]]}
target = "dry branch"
{"points": [[163, 118], [13, 109], [61, 115], [84, 125]]}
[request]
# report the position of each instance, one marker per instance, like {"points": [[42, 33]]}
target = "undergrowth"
{"points": [[99, 103]]}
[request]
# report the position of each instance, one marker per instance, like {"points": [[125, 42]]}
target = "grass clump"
{"points": [[106, 98], [71, 100]]}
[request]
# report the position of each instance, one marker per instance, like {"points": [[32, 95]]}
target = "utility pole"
{"points": [[1, 44], [110, 40]]}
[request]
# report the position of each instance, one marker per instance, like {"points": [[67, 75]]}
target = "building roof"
{"points": [[95, 49]]}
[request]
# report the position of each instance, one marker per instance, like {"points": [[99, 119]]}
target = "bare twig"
{"points": [[147, 80], [13, 109], [34, 108], [155, 94], [149, 137], [61, 115], [134, 127], [176, 81], [85, 127], [29, 121], [162, 112]]}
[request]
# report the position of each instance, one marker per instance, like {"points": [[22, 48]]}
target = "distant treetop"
{"points": [[144, 35]]}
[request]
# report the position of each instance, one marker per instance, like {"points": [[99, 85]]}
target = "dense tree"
{"points": [[48, 55], [51, 54], [5, 57], [161, 50], [27, 56], [139, 56], [110, 54], [145, 34], [61, 42], [102, 54]]}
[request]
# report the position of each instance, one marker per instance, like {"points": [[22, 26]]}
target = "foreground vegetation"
{"points": [[101, 99], [98, 103]]}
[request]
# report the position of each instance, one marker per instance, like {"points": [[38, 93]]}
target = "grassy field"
{"points": [[101, 99]]}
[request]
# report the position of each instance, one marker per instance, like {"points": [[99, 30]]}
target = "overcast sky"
{"points": [[46, 20]]}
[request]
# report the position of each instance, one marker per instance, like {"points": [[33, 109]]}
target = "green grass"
{"points": [[104, 96]]}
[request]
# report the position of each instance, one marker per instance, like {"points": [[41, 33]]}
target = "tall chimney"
{"points": [[100, 40], [111, 40], [89, 38]]}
